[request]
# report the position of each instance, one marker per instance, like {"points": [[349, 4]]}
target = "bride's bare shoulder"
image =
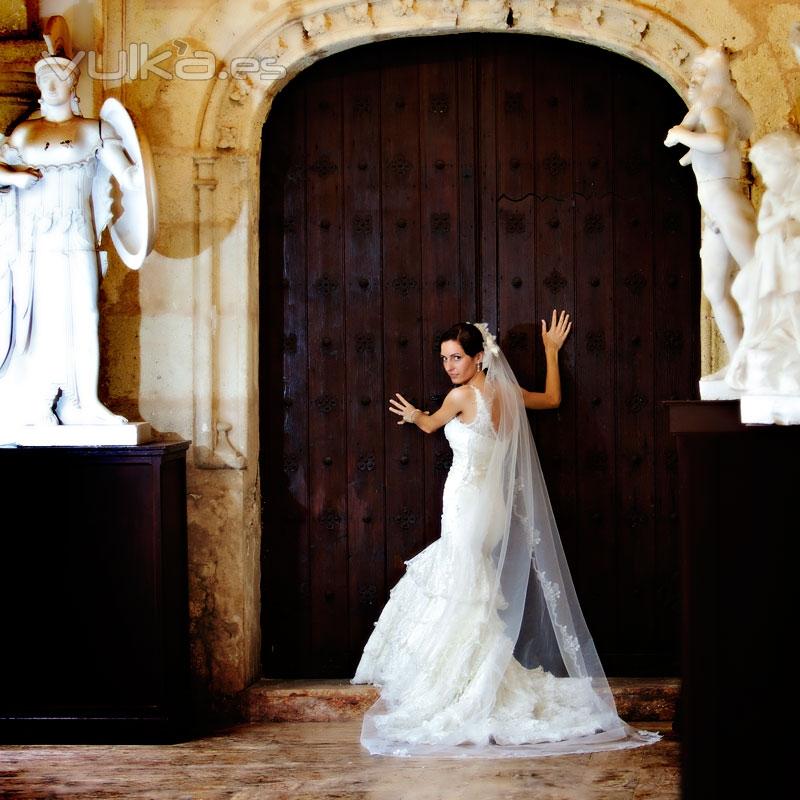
{"points": [[460, 399], [459, 394]]}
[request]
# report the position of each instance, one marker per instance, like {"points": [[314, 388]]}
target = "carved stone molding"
{"points": [[227, 137], [639, 31], [678, 54], [635, 28], [498, 11], [402, 8], [315, 25], [452, 6], [358, 13], [212, 446], [545, 6], [591, 14]]}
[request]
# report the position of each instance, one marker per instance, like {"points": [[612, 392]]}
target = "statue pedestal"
{"points": [[737, 484], [94, 592], [83, 435], [770, 410]]}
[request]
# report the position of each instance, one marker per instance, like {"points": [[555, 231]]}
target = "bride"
{"points": [[482, 648]]}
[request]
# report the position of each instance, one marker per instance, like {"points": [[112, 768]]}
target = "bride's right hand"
{"points": [[404, 409]]}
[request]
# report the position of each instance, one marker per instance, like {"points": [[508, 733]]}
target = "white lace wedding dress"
{"points": [[440, 652]]}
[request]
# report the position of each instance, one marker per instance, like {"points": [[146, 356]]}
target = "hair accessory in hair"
{"points": [[490, 347]]}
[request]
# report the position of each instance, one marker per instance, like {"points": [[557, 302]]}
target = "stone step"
{"points": [[319, 700]]}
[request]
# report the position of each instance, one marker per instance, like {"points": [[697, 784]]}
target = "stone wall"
{"points": [[180, 337]]}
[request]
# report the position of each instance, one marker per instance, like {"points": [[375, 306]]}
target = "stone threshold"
{"points": [[328, 700]]}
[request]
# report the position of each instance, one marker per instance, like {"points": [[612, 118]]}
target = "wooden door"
{"points": [[406, 186]]}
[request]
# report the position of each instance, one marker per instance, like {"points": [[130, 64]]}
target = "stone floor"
{"points": [[323, 760]]}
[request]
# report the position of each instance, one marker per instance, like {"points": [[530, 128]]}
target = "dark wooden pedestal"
{"points": [[93, 592], [739, 497]]}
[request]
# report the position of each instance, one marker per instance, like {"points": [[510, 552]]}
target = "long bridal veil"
{"points": [[522, 677]]}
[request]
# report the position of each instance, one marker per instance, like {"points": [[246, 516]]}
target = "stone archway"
{"points": [[645, 34], [220, 161], [410, 183], [234, 111]]}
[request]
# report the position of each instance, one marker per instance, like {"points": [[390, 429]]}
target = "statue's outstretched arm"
{"points": [[19, 177], [113, 156], [14, 173], [714, 139]]}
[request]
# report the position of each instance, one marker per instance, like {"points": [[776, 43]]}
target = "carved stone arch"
{"points": [[232, 112], [236, 109]]}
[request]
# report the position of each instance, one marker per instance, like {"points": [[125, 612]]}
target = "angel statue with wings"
{"points": [[64, 178]]}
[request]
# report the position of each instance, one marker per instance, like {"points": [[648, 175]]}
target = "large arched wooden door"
{"points": [[408, 185]]}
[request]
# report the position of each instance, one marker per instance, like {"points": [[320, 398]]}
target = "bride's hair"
{"points": [[467, 335]]}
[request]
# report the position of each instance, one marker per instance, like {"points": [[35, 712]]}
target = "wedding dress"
{"points": [[482, 648]]}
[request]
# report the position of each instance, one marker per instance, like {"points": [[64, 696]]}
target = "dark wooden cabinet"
{"points": [[94, 593], [737, 484]]}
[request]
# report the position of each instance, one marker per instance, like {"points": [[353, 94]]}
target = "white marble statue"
{"points": [[766, 366], [56, 198], [717, 121]]}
